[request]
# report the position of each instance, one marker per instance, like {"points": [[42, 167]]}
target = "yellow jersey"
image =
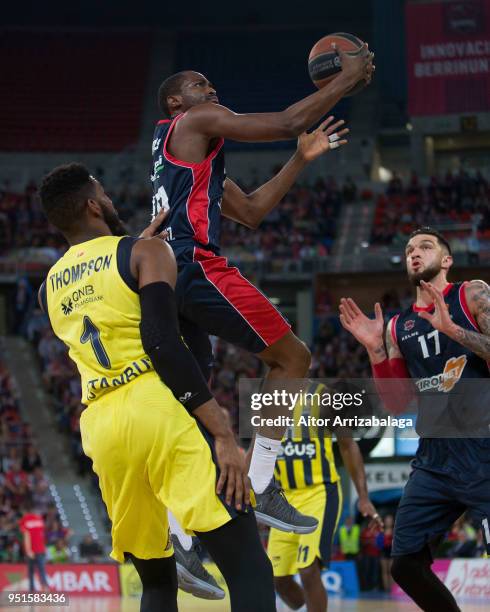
{"points": [[306, 457], [93, 306]]}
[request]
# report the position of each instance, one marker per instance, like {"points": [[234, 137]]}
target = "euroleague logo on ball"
{"points": [[324, 61]]}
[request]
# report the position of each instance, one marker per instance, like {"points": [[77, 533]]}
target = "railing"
{"points": [[365, 260]]}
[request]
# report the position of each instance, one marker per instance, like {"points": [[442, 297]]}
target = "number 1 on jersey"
{"points": [[423, 343], [92, 332]]}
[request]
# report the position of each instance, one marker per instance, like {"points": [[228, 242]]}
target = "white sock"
{"points": [[184, 539], [263, 461]]}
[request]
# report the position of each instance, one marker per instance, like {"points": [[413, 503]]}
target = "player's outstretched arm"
{"points": [[214, 120], [477, 295], [368, 332], [390, 372], [153, 265], [352, 458], [250, 209]]}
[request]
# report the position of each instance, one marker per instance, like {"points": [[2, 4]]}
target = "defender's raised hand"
{"points": [[439, 319], [152, 229], [369, 332]]}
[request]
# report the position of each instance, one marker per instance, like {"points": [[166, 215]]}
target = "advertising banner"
{"points": [[448, 57], [74, 579]]}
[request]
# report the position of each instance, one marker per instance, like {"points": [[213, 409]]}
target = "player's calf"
{"points": [[314, 591], [412, 572], [159, 580], [238, 552], [289, 591]]}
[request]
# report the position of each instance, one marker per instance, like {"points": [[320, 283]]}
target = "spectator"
{"points": [[32, 528], [58, 552], [31, 460], [369, 561], [349, 536], [90, 550], [55, 531], [385, 540]]}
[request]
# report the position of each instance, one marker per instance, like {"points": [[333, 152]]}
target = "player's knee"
{"points": [[253, 584], [398, 569], [157, 574], [296, 357], [405, 567], [304, 356], [265, 567]]}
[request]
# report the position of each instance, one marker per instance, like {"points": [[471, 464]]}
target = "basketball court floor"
{"points": [[190, 604]]}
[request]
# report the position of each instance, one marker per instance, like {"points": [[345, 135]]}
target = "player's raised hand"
{"points": [[439, 319], [152, 230], [233, 479], [369, 332], [328, 135], [357, 65]]}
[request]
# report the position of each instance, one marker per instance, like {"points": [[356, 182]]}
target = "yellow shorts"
{"points": [[150, 455], [290, 552]]}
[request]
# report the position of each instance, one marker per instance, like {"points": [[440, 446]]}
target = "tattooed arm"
{"points": [[478, 299], [477, 295]]}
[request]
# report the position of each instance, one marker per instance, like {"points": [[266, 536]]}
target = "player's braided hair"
{"points": [[431, 232], [63, 194], [170, 87]]}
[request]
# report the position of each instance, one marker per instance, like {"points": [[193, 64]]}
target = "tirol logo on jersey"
{"points": [[408, 325], [446, 381], [297, 450], [67, 305]]}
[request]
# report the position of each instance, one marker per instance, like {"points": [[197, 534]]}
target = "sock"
{"points": [[263, 461], [184, 539]]}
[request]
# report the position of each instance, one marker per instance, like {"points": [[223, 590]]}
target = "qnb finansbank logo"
{"points": [[447, 379]]}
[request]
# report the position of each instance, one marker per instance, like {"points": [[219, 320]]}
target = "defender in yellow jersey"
{"points": [[154, 432], [306, 470]]}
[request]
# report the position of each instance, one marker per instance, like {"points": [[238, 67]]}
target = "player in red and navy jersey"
{"points": [[188, 177], [442, 342]]}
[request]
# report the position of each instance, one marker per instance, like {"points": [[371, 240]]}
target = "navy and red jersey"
{"points": [[192, 191], [437, 364], [435, 361]]}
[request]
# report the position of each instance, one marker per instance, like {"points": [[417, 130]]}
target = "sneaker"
{"points": [[273, 509], [192, 575]]}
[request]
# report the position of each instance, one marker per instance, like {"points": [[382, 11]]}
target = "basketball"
{"points": [[324, 61]]}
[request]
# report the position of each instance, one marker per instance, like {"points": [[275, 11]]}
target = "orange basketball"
{"points": [[324, 61]]}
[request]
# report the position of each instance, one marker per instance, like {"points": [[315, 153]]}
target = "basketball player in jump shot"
{"points": [[445, 335], [189, 179], [110, 299]]}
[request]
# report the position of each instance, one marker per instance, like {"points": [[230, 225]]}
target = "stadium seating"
{"points": [[456, 203], [72, 91], [21, 472]]}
